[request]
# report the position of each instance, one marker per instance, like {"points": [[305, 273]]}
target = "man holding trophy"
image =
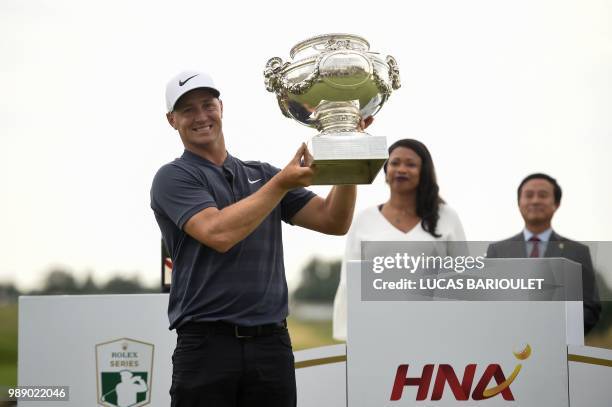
{"points": [[220, 219]]}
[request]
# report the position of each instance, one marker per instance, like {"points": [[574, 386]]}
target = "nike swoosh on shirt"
{"points": [[181, 83], [252, 182]]}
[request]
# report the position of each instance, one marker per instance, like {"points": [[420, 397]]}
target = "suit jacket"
{"points": [[559, 246]]}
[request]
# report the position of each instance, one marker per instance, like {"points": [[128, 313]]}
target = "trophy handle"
{"points": [[394, 78], [276, 82], [273, 76], [394, 74]]}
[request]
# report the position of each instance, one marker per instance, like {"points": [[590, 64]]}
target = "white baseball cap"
{"points": [[186, 81]]}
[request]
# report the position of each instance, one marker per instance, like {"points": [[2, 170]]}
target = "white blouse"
{"points": [[371, 225]]}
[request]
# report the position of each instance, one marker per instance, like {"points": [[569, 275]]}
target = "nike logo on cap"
{"points": [[181, 83]]}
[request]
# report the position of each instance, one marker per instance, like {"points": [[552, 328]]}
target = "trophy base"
{"points": [[347, 157]]}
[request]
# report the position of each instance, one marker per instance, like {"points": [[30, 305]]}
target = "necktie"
{"points": [[535, 249]]}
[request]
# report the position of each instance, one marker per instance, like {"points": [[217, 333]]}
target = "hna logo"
{"points": [[461, 390]]}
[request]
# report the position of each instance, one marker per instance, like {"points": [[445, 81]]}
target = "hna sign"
{"points": [[461, 390]]}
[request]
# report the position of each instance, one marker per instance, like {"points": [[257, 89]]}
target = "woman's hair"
{"points": [[427, 197]]}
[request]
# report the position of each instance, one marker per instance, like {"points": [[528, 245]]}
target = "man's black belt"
{"points": [[224, 328]]}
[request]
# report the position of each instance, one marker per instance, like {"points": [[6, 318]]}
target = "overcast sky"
{"points": [[495, 89]]}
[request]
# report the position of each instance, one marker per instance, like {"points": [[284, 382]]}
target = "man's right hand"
{"points": [[298, 173]]}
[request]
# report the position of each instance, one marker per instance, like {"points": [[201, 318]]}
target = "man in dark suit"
{"points": [[539, 196]]}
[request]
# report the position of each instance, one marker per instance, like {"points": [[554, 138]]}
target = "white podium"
{"points": [[449, 353]]}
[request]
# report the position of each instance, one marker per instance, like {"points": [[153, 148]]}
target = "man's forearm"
{"points": [[340, 205]]}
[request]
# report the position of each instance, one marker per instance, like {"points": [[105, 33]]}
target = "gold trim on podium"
{"points": [[321, 361], [589, 360]]}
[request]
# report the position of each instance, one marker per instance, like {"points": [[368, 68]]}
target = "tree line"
{"points": [[62, 282]]}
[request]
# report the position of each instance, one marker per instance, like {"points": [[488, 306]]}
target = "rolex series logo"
{"points": [[124, 370]]}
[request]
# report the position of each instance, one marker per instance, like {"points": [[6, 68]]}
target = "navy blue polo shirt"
{"points": [[244, 286]]}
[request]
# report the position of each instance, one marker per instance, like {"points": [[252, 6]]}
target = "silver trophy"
{"points": [[332, 82]]}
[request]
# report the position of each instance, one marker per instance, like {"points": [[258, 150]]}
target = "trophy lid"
{"points": [[322, 42]]}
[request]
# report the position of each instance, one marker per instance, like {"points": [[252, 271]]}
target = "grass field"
{"points": [[600, 340], [306, 335], [8, 345]]}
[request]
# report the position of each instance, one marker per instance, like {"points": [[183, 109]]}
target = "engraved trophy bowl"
{"points": [[332, 82]]}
